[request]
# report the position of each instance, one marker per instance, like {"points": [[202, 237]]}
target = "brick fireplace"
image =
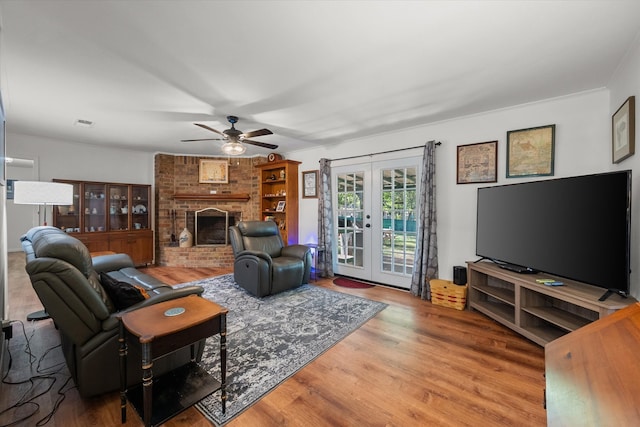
{"points": [[209, 226], [178, 190]]}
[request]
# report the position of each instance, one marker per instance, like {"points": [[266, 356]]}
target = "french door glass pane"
{"points": [[398, 220], [350, 218]]}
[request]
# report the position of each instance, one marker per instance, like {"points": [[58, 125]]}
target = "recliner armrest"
{"points": [[295, 251], [114, 262], [258, 254]]}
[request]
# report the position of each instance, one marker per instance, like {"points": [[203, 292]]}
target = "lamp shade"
{"points": [[42, 193], [233, 148]]}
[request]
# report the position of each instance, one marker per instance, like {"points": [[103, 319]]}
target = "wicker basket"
{"points": [[448, 294]]}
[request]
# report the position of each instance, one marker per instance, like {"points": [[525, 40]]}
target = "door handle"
{"points": [[368, 225]]}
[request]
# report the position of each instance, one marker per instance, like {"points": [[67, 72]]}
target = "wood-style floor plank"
{"points": [[414, 364]]}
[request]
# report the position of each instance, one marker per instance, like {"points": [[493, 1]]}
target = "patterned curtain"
{"points": [[325, 219], [425, 266]]}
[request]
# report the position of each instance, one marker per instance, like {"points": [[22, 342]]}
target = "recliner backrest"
{"points": [[262, 236], [51, 242]]}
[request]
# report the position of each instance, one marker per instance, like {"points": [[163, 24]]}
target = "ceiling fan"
{"points": [[235, 138]]}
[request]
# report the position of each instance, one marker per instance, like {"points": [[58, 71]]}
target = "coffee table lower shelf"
{"points": [[174, 392]]}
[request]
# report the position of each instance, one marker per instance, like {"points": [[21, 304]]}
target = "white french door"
{"points": [[375, 214]]}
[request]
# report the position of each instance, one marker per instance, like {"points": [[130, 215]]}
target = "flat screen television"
{"points": [[577, 228]]}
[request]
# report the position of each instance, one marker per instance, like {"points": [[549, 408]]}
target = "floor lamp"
{"points": [[42, 193]]}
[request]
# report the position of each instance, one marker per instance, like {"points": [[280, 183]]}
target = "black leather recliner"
{"points": [[66, 279], [263, 264]]}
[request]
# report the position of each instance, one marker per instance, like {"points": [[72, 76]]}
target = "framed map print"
{"points": [[477, 162], [530, 151], [214, 171]]}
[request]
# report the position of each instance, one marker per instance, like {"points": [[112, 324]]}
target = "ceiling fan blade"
{"points": [[259, 144], [259, 132], [208, 128], [203, 139]]}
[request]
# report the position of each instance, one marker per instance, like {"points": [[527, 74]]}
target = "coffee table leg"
{"points": [[123, 374], [223, 361], [147, 382]]}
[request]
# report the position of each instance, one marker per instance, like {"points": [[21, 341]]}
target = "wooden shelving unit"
{"points": [[538, 312], [108, 216], [278, 186]]}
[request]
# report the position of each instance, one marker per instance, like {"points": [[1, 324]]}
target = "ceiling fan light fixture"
{"points": [[233, 148]]}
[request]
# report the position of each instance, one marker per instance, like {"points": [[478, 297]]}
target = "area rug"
{"points": [[270, 339], [350, 283]]}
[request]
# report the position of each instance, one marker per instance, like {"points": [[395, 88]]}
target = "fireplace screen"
{"points": [[211, 226]]}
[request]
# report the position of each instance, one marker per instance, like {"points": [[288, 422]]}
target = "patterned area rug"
{"points": [[270, 339]]}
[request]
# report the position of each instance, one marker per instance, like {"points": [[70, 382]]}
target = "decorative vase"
{"points": [[186, 238]]}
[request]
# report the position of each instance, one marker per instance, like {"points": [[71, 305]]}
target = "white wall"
{"points": [[66, 160], [583, 145], [625, 83]]}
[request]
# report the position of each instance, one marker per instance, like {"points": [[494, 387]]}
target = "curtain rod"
{"points": [[383, 152]]}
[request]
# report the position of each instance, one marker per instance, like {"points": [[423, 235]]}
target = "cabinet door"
{"points": [[119, 205], [95, 211], [140, 207], [142, 247], [137, 244], [67, 218], [98, 242]]}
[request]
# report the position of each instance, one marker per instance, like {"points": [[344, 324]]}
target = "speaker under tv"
{"points": [[459, 275], [577, 228]]}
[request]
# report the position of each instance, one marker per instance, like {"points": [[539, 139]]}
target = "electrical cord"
{"points": [[46, 376]]}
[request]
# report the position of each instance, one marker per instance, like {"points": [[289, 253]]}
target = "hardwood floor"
{"points": [[413, 364]]}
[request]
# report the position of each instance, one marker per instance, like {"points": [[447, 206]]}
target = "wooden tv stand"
{"points": [[539, 312]]}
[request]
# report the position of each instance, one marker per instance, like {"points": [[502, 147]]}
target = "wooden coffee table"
{"points": [[160, 329]]}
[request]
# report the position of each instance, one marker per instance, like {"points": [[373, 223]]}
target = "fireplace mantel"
{"points": [[224, 197]]}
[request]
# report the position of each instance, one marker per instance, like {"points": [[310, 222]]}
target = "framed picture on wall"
{"points": [[530, 151], [310, 184], [3, 151], [214, 171], [477, 162], [623, 131]]}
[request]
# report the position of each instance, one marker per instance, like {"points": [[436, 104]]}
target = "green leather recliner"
{"points": [[66, 279], [263, 264]]}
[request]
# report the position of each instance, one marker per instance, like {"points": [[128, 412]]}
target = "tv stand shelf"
{"points": [[540, 313]]}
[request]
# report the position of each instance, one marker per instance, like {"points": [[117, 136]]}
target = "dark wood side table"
{"points": [[161, 329]]}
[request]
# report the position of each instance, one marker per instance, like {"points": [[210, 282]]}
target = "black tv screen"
{"points": [[578, 227]]}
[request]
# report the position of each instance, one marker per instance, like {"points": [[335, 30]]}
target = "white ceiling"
{"points": [[313, 72]]}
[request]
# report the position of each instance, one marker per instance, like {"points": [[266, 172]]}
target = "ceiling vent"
{"points": [[83, 123]]}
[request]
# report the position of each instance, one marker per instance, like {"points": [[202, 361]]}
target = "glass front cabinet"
{"points": [[109, 217]]}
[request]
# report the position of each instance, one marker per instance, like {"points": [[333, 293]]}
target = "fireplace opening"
{"points": [[210, 226]]}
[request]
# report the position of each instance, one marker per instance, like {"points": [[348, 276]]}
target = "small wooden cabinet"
{"points": [[538, 312], [109, 217], [279, 196]]}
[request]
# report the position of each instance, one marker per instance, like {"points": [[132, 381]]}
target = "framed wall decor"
{"points": [[530, 152], [477, 163], [3, 148], [10, 188], [214, 171], [623, 131], [310, 184]]}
